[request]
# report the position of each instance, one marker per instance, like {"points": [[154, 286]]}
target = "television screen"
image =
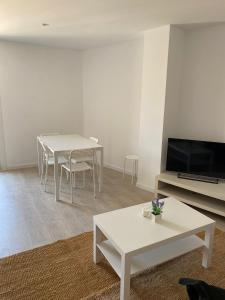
{"points": [[196, 157]]}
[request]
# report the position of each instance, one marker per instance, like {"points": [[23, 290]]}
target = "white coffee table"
{"points": [[132, 243]]}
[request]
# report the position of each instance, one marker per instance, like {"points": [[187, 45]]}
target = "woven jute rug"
{"points": [[65, 270]]}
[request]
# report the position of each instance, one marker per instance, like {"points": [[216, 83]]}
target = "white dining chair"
{"points": [[40, 153], [134, 159], [48, 160], [89, 159], [77, 167], [86, 158]]}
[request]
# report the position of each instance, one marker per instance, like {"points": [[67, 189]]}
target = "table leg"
{"points": [[125, 278], [98, 237], [101, 171], [207, 250], [56, 176], [39, 156]]}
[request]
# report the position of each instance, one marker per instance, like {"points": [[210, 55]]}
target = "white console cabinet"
{"points": [[207, 196]]}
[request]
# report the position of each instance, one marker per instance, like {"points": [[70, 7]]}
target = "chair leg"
{"points": [[38, 157], [97, 172], [93, 171], [46, 174], [42, 170], [96, 164], [60, 181], [71, 187], [74, 179]]}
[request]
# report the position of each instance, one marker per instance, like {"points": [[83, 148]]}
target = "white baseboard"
{"points": [[128, 172], [145, 187], [110, 166], [17, 167], [116, 168]]}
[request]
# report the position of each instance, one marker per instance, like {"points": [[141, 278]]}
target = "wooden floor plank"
{"points": [[30, 217]]}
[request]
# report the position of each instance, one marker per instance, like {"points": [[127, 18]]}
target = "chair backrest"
{"points": [[49, 133], [45, 150], [78, 154], [94, 139]]}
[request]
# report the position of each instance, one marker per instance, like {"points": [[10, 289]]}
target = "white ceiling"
{"points": [[82, 24]]}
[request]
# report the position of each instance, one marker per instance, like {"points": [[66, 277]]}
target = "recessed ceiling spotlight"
{"points": [[45, 24]]}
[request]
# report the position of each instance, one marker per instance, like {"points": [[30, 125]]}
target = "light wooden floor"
{"points": [[29, 217]]}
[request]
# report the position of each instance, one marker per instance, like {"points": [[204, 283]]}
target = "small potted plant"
{"points": [[157, 209]]}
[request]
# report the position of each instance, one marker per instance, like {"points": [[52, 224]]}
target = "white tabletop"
{"points": [[128, 230], [68, 142]]}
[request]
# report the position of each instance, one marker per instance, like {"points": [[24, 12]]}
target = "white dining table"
{"points": [[62, 145]]}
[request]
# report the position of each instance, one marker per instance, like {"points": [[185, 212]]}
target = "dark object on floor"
{"points": [[200, 290]]}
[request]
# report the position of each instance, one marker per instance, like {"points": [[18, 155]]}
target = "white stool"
{"points": [[134, 159]]}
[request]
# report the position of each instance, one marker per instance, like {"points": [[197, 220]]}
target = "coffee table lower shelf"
{"points": [[152, 257]]}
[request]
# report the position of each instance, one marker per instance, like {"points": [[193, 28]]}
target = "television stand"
{"points": [[204, 195], [198, 178]]}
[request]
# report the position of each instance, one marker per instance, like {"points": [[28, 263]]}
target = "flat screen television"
{"points": [[196, 157]]}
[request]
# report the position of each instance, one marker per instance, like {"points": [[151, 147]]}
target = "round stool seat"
{"points": [[132, 156]]}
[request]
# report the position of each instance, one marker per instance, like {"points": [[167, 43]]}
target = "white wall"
{"points": [[40, 91], [136, 94], [173, 88], [2, 140], [202, 107], [156, 47], [111, 94]]}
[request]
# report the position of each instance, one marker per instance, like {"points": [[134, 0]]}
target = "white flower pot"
{"points": [[156, 218]]}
